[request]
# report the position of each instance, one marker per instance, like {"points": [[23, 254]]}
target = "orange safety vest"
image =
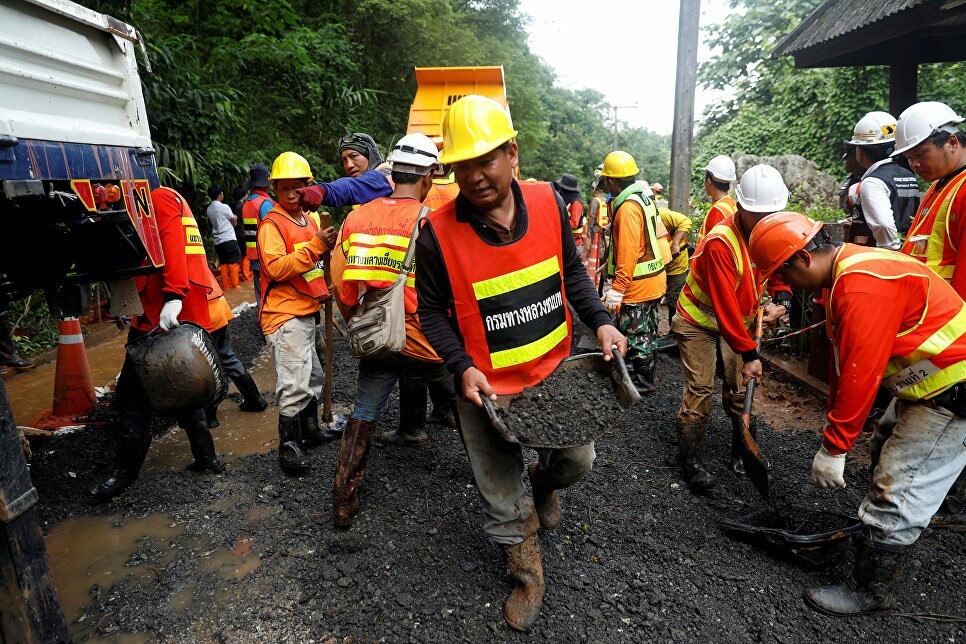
{"points": [[219, 311], [375, 245], [511, 308], [581, 221], [311, 283], [443, 190], [603, 216], [250, 219], [928, 238], [726, 207], [930, 356], [695, 304]]}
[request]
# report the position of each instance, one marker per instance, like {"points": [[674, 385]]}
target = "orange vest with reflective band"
{"points": [[929, 357], [695, 304], [440, 193], [726, 207], [375, 244], [603, 215], [509, 299], [928, 238], [219, 312], [250, 220], [312, 282]]}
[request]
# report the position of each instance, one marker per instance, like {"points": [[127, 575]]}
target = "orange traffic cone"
{"points": [[74, 396]]}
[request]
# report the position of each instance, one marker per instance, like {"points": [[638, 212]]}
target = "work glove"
{"points": [[169, 314], [310, 197], [828, 469], [612, 301]]}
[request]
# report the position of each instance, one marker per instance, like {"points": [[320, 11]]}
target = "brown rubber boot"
{"points": [[522, 607], [691, 449], [545, 498], [349, 470]]}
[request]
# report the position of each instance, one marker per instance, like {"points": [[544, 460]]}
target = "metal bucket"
{"points": [[179, 369]]}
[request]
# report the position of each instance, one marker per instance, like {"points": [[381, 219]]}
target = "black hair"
{"points": [[214, 191], [879, 151], [406, 178], [720, 185], [240, 193], [939, 138]]}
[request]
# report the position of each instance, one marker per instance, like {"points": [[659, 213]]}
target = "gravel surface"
{"points": [[636, 557]]}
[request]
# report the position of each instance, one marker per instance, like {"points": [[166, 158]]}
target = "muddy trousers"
{"points": [[297, 367], [698, 348], [674, 285], [917, 452], [508, 513]]}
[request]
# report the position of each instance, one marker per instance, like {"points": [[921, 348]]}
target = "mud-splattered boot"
{"points": [[211, 416], [132, 448], [412, 419], [691, 450], [290, 455], [523, 605], [643, 375], [868, 591], [545, 498], [349, 470], [309, 419], [253, 399], [203, 449]]}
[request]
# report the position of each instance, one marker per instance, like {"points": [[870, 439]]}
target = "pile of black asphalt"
{"points": [[636, 557]]}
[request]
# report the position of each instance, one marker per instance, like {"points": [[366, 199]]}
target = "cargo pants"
{"points": [[699, 358], [298, 371]]}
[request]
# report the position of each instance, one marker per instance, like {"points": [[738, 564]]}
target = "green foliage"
{"points": [[34, 330]]}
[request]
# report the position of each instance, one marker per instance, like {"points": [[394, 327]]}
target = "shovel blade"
{"points": [[756, 467]]}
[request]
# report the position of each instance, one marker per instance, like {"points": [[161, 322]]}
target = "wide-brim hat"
{"points": [[567, 182], [259, 176]]}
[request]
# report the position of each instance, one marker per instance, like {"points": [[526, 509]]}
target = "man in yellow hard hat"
{"points": [[501, 248], [639, 251]]}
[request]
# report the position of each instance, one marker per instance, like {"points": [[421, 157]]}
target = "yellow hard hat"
{"points": [[620, 165], [474, 126], [289, 165]]}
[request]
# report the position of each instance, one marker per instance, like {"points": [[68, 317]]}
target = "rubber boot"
{"points": [[691, 450], [132, 449], [545, 498], [290, 455], [412, 416], [442, 399], [523, 605], [349, 470], [233, 275], [253, 399], [309, 418], [643, 375], [211, 416], [203, 449], [868, 591], [224, 278]]}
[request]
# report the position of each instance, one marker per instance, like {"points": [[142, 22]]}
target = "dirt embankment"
{"points": [[250, 555]]}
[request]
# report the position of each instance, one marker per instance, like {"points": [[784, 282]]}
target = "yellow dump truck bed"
{"points": [[439, 87]]}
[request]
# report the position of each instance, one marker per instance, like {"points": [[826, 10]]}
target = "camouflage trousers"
{"points": [[638, 322]]}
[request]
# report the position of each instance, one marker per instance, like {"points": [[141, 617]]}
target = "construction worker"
{"points": [[719, 301], [718, 175], [894, 323], [889, 195], [639, 252], [223, 221], [567, 187], [854, 170], [238, 205], [678, 226], [384, 228], [220, 314], [177, 294], [290, 247], [358, 153], [522, 229], [936, 150], [599, 221], [257, 205]]}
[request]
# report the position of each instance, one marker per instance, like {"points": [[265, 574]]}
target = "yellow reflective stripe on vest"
{"points": [[939, 237], [312, 273], [701, 311], [528, 352], [193, 243], [914, 377], [730, 238], [517, 279], [368, 257], [602, 219], [642, 269]]}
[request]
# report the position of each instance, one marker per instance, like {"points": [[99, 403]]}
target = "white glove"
{"points": [[169, 314], [828, 469], [612, 301]]}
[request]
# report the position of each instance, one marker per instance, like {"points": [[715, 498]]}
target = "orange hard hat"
{"points": [[779, 236]]}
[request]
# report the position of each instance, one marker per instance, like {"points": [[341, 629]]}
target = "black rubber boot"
{"points": [[412, 416], [643, 375], [442, 399], [691, 450], [311, 432], [868, 591], [253, 399], [211, 416], [203, 449], [290, 455], [132, 449]]}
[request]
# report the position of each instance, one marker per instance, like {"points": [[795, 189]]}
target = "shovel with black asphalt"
{"points": [[756, 467]]}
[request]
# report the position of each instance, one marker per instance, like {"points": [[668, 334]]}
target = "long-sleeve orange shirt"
{"points": [[283, 302], [630, 244]]}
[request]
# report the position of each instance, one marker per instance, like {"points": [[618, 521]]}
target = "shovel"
{"points": [[756, 467]]}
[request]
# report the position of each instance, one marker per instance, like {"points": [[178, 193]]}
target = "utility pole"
{"points": [[614, 109], [683, 131]]}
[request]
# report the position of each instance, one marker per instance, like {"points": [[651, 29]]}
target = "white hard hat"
{"points": [[762, 189], [922, 120], [874, 128], [722, 168], [416, 154]]}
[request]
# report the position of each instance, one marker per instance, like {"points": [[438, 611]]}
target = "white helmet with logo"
{"points": [[722, 168], [762, 189], [415, 154], [874, 128], [922, 120]]}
